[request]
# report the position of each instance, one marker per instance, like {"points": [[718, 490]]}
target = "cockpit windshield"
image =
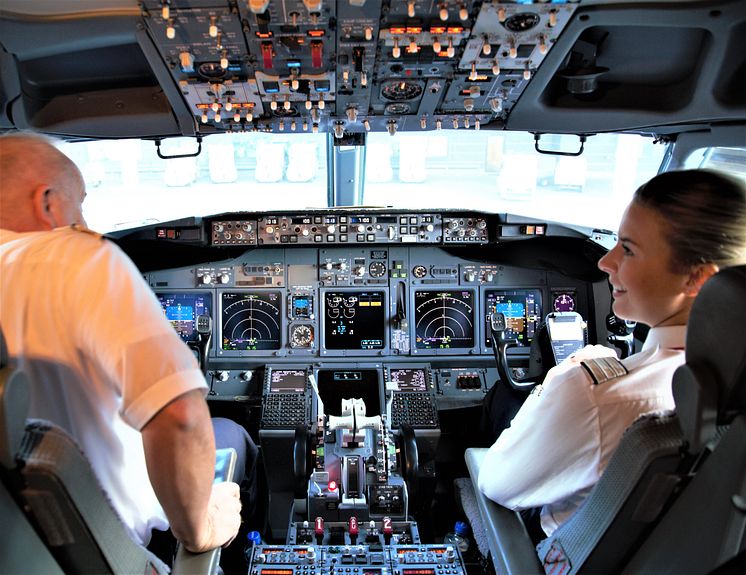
{"points": [[129, 185]]}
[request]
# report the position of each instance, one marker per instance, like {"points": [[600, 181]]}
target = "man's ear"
{"points": [[698, 276], [42, 200]]}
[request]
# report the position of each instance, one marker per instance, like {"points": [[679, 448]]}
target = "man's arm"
{"points": [[180, 455]]}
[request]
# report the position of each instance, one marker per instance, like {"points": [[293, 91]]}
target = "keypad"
{"points": [[416, 409], [284, 410]]}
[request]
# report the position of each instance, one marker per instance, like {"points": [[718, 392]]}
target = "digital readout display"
{"points": [[287, 381], [354, 320], [408, 379], [522, 310], [182, 309]]}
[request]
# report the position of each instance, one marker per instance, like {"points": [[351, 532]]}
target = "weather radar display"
{"points": [[444, 319], [251, 320]]}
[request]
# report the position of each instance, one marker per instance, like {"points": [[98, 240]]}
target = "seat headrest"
{"points": [[710, 389]]}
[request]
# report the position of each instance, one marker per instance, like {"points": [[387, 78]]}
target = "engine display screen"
{"points": [[408, 379], [444, 319], [251, 320], [287, 381], [182, 309], [522, 309], [338, 384], [354, 320]]}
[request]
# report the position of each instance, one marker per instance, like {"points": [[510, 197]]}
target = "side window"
{"points": [[729, 160]]}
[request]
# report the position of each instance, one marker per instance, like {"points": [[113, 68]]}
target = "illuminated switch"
{"points": [[186, 61], [267, 54], [317, 51]]}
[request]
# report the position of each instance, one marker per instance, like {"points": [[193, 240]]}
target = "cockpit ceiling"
{"points": [[119, 68]]}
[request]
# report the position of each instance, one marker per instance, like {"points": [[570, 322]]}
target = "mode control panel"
{"points": [[358, 228], [344, 228]]}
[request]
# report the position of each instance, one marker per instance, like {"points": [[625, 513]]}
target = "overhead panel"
{"points": [[352, 66]]}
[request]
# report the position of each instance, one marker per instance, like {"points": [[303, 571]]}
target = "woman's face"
{"points": [[644, 288]]}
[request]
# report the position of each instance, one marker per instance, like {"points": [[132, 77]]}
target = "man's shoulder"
{"points": [[83, 244], [83, 237], [81, 229], [601, 370]]}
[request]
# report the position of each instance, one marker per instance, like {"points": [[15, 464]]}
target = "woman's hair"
{"points": [[706, 216]]}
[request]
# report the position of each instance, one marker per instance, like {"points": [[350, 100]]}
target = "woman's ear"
{"points": [[42, 200], [699, 274]]}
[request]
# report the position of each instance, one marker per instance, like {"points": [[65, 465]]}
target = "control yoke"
{"points": [[500, 345], [622, 336], [204, 333]]}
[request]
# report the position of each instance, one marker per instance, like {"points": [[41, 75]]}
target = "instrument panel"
{"points": [[359, 302]]}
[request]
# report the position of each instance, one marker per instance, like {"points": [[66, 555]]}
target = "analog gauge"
{"points": [[397, 109], [301, 335], [563, 301], [251, 320], [521, 22], [398, 90], [211, 71], [419, 272], [281, 112], [377, 269], [444, 319]]}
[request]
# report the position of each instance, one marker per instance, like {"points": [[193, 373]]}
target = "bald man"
{"points": [[103, 361]]}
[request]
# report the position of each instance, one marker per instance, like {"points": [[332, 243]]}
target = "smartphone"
{"points": [[567, 333], [225, 464]]}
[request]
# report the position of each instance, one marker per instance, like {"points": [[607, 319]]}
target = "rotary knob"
{"points": [[206, 279]]}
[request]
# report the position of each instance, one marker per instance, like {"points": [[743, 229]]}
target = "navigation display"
{"points": [[354, 320], [287, 381], [182, 309], [250, 320], [444, 319], [522, 309], [408, 379]]}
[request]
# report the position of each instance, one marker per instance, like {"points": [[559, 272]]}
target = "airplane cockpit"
{"points": [[363, 216]]}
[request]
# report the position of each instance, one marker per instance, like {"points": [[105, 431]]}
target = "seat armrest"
{"points": [[509, 543], [208, 562], [186, 562], [14, 403]]}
